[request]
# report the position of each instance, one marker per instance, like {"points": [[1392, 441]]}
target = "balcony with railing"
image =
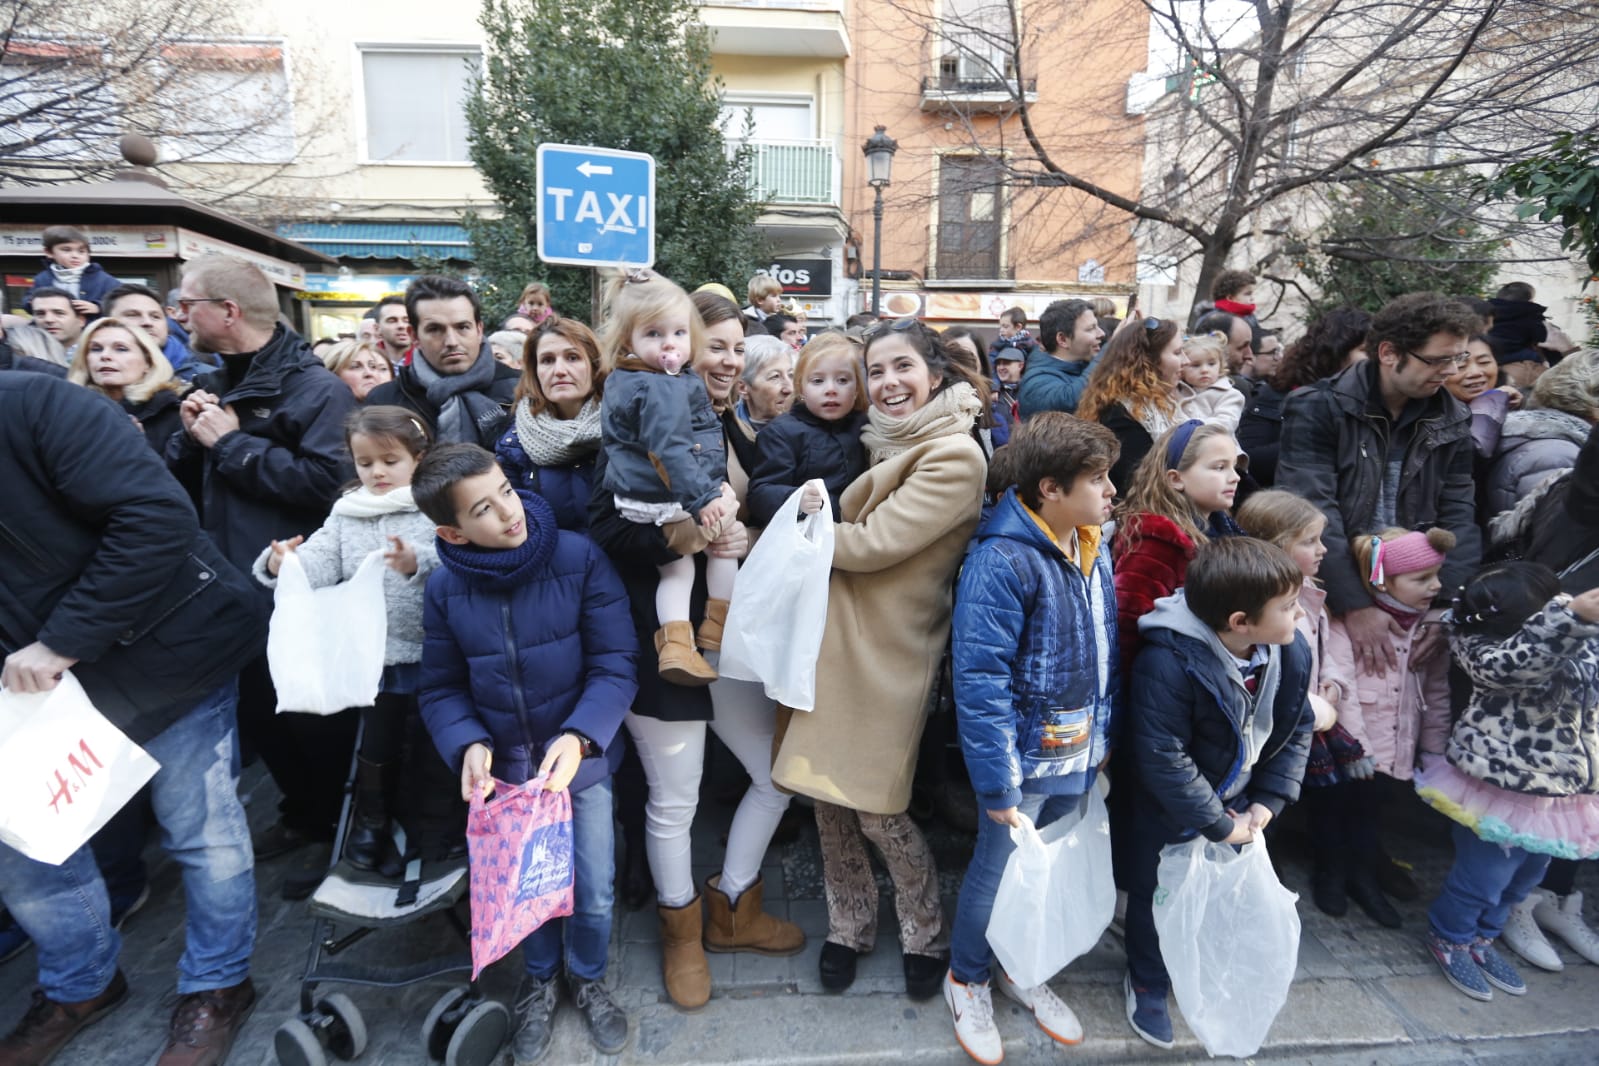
{"points": [[794, 172], [974, 72], [813, 28]]}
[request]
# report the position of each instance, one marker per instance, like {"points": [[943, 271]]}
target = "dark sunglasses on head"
{"points": [[898, 325], [1152, 324]]}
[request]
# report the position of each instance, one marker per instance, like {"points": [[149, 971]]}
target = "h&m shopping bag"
{"points": [[325, 646], [774, 623], [519, 848], [1056, 897], [64, 770], [1229, 935]]}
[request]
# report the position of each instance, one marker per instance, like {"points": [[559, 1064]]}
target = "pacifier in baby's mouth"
{"points": [[671, 362]]}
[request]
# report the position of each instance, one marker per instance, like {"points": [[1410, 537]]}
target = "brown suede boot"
{"points": [[683, 965], [745, 925], [711, 625], [679, 662]]}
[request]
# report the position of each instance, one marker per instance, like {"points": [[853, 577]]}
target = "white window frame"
{"points": [[358, 81], [736, 100]]}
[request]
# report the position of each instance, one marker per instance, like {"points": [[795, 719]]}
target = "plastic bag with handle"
{"points": [[519, 851], [325, 646]]}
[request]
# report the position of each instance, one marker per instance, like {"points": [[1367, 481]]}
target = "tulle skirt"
{"points": [[1566, 827]]}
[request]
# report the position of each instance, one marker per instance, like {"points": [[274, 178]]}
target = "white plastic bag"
{"points": [[325, 646], [1056, 897], [1229, 935], [774, 623], [64, 770]]}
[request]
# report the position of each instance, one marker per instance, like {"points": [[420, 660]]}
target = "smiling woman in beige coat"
{"points": [[906, 524]]}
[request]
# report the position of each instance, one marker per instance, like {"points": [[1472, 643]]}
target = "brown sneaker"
{"points": [[205, 1023], [47, 1026]]}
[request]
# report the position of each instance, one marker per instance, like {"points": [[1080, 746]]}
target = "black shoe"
{"points": [[607, 1024], [1395, 880], [638, 886], [837, 966], [277, 839], [924, 975], [1327, 882], [1367, 894], [535, 1020], [364, 846]]}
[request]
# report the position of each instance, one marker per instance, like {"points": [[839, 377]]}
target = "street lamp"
{"points": [[879, 149]]}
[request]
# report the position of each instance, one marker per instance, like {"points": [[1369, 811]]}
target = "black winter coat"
{"points": [[1135, 441], [407, 392], [1565, 522], [1260, 432], [798, 446], [158, 417], [1184, 729], [105, 561], [278, 476], [1336, 437]]}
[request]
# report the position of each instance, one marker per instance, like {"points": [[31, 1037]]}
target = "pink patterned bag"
{"points": [[520, 849]]}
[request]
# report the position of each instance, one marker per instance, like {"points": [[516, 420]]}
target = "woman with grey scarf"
{"points": [[555, 426]]}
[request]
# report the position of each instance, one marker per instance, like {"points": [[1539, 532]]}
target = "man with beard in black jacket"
{"points": [[107, 574], [453, 382], [263, 449]]}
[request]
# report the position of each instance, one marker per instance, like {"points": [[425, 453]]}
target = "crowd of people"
{"points": [[1217, 575]]}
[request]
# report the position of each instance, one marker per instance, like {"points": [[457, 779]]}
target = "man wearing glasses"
{"points": [[1383, 444]]}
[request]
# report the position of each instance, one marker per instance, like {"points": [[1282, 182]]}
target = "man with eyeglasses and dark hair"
{"points": [[1056, 376], [1382, 444]]}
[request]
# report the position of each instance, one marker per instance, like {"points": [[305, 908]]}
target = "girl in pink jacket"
{"points": [[1397, 713]]}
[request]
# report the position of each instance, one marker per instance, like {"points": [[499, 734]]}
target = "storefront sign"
{"points": [[977, 306], [353, 288], [802, 277], [192, 245], [108, 241]]}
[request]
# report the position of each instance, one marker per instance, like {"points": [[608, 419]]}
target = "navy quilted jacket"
{"points": [[565, 488], [514, 663], [1037, 689]]}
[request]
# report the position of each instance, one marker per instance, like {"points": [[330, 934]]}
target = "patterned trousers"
{"points": [[852, 890]]}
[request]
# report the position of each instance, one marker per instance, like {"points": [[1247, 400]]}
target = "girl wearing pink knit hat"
{"points": [[1400, 711]]}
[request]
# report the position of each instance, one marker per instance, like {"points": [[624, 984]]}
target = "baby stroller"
{"points": [[463, 1028]]}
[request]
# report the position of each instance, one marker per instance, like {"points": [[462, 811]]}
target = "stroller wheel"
{"points": [[296, 1045], [436, 1032], [346, 1031], [480, 1035]]}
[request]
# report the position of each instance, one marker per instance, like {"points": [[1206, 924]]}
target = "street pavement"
{"points": [[1362, 994]]}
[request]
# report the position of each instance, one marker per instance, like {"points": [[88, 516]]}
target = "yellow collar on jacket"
{"points": [[1087, 541]]}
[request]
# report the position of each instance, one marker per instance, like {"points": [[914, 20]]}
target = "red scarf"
{"points": [[1234, 308]]}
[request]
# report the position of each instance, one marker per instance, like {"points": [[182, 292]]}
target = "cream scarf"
{"points": [[954, 410], [361, 503]]}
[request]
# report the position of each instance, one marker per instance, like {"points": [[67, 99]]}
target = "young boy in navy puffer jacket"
{"points": [[1036, 686], [529, 664]]}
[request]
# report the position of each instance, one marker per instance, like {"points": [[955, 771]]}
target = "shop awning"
{"points": [[382, 240]]}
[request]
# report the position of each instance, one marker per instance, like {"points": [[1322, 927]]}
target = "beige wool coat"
{"points": [[906, 524]]}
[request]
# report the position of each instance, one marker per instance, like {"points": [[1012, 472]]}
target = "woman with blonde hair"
{"points": [[360, 365], [1132, 390], [124, 364]]}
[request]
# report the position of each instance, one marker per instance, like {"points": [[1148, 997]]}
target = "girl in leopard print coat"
{"points": [[1519, 774]]}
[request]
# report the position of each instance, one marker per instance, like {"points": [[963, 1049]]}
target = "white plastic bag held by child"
{"points": [[1229, 935], [64, 770], [1056, 897], [779, 608], [325, 646]]}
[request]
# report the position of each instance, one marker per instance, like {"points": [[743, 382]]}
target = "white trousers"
{"points": [[673, 754]]}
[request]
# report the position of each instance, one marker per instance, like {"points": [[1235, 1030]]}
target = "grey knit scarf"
{"points": [[462, 399], [552, 441]]}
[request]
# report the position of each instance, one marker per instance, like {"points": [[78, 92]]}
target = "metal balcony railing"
{"points": [[794, 172]]}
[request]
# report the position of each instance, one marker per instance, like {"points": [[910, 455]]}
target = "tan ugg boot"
{"points": [[683, 965], [745, 925], [711, 625], [679, 662]]}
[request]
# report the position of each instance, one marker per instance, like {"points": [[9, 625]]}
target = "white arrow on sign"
{"points": [[588, 170]]}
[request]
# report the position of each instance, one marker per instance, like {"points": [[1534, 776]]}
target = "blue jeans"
{"points": [[587, 933], [195, 795], [969, 955], [1483, 884]]}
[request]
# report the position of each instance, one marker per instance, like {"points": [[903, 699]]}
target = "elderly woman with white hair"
{"points": [[766, 388], [123, 364]]}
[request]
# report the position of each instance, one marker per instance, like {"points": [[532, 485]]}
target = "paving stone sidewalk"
{"points": [[1362, 994]]}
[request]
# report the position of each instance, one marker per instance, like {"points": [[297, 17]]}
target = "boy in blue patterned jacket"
{"points": [[1036, 687]]}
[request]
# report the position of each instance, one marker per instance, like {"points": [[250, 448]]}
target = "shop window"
{"points": [[235, 102], [971, 209], [416, 104]]}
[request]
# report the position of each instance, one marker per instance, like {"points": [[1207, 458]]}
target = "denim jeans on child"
{"points": [[1483, 884], [969, 955], [195, 795], [587, 933]]}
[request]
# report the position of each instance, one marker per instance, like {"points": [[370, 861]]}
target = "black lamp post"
{"points": [[879, 149]]}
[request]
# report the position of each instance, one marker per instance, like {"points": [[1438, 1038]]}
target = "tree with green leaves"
{"points": [[1379, 242], [1560, 185], [627, 74]]}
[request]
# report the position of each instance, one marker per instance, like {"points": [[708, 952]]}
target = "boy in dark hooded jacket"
{"points": [[1218, 729]]}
